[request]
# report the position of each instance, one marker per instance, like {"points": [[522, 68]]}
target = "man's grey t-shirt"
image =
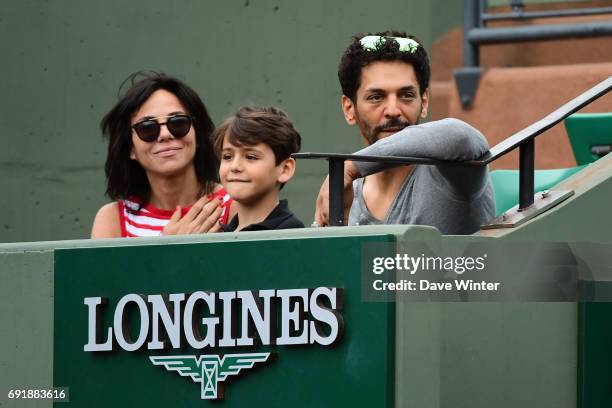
{"points": [[454, 199]]}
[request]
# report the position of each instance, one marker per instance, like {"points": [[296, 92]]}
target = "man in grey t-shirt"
{"points": [[385, 79]]}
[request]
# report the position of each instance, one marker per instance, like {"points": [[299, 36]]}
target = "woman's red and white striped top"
{"points": [[149, 221]]}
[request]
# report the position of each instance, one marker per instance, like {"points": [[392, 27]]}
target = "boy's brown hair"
{"points": [[252, 125]]}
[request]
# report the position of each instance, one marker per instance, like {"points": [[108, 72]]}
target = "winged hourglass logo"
{"points": [[210, 369]]}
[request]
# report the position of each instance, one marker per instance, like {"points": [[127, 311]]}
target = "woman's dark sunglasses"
{"points": [[148, 129]]}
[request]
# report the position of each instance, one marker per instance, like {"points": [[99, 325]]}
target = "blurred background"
{"points": [[64, 60]]}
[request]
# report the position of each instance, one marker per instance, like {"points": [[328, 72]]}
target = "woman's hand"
{"points": [[201, 218]]}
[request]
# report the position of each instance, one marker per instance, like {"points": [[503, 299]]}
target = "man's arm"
{"points": [[446, 139]]}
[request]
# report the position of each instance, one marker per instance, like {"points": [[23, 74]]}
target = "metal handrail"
{"points": [[476, 34], [526, 15], [524, 140], [501, 35]]}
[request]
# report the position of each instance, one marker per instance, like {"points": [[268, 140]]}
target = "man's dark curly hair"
{"points": [[355, 58]]}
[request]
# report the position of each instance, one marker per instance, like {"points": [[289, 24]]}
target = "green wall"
{"points": [[63, 62], [503, 354]]}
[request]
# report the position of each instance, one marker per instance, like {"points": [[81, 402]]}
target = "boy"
{"points": [[255, 147]]}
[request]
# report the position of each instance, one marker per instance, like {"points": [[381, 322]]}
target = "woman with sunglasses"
{"points": [[160, 168]]}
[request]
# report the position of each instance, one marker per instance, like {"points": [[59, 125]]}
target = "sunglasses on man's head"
{"points": [[148, 129], [374, 42]]}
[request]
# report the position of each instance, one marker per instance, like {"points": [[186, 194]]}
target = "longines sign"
{"points": [[216, 319]]}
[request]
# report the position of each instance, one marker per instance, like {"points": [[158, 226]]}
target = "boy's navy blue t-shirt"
{"points": [[280, 218]]}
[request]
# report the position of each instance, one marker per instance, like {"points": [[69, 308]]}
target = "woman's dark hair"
{"points": [[126, 177]]}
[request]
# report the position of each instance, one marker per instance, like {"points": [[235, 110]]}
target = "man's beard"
{"points": [[394, 124]]}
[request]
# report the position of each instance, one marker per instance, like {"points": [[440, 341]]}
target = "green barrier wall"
{"points": [[359, 370], [438, 355]]}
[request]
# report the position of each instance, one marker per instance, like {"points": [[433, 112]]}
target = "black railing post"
{"points": [[471, 19], [482, 9], [517, 5], [336, 192], [468, 76], [526, 173]]}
